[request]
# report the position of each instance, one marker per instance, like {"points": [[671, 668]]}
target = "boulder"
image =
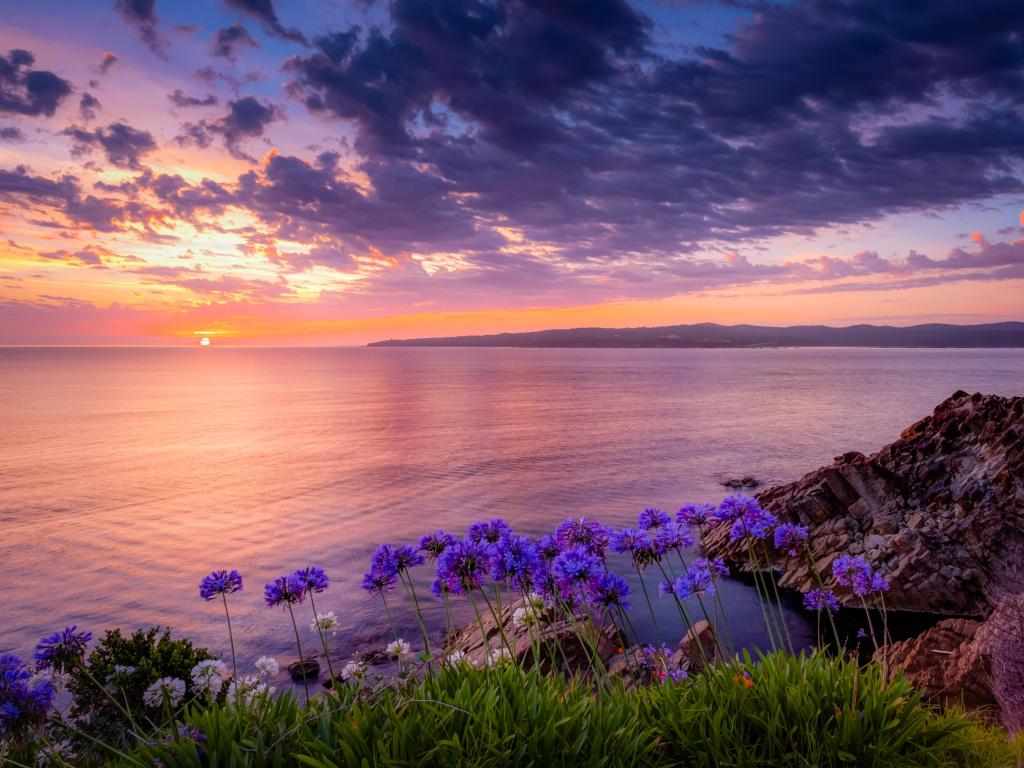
{"points": [[939, 512]]}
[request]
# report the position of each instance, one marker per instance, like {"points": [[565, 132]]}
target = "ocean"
{"points": [[128, 474]]}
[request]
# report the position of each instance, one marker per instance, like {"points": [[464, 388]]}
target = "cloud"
{"points": [[141, 14], [107, 60], [27, 91], [88, 105], [227, 41], [263, 11], [11, 133], [89, 256], [246, 118], [179, 99], [123, 145]]}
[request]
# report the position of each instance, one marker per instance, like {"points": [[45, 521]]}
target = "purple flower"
{"points": [[406, 557], [514, 560], [488, 531], [573, 568], [436, 543], [219, 583], [62, 649], [671, 536], [609, 589], [192, 733], [23, 705], [461, 567], [696, 515], [652, 518], [584, 532], [716, 567], [379, 581], [548, 547], [637, 544], [286, 590], [821, 600], [854, 571], [747, 517], [312, 579], [790, 538], [696, 582]]}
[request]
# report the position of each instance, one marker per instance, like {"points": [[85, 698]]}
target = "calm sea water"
{"points": [[127, 474]]}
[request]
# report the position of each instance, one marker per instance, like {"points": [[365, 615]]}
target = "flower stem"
{"points": [[298, 644], [231, 638]]}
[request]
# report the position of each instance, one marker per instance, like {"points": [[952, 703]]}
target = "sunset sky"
{"points": [[311, 172]]}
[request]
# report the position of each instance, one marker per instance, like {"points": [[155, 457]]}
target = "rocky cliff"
{"points": [[939, 512]]}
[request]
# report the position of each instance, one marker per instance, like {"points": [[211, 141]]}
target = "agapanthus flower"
{"points": [[219, 583], [170, 687], [514, 560], [696, 515], [62, 649], [497, 656], [635, 542], [436, 543], [653, 665], [456, 658], [243, 692], [696, 582], [716, 566], [407, 556], [671, 537], [573, 569], [208, 675], [821, 600], [285, 590], [855, 572], [399, 648], [488, 531], [584, 532], [123, 670], [267, 666], [652, 518], [609, 590], [325, 622], [790, 538], [548, 547], [748, 518], [353, 670], [312, 579], [192, 733], [461, 566], [24, 701]]}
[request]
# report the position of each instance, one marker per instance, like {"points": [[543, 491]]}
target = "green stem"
{"points": [[323, 640], [298, 644], [231, 638]]}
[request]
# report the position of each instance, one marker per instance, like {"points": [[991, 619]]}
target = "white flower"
{"points": [[56, 753], [525, 616], [354, 670], [398, 648], [208, 675], [326, 622], [123, 670], [456, 658], [171, 687], [246, 690], [59, 680], [498, 656], [267, 666]]}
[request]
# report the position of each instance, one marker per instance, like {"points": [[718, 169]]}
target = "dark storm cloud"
{"points": [[228, 41], [263, 11], [141, 14], [123, 145], [563, 119], [88, 105], [179, 99], [246, 118], [28, 91]]}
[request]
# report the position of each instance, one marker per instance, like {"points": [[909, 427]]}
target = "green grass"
{"points": [[807, 711]]}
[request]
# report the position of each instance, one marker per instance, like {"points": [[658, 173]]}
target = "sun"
{"points": [[204, 342]]}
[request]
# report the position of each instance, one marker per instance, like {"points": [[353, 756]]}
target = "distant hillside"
{"points": [[713, 335]]}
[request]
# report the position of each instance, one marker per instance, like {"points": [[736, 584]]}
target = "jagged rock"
{"points": [[741, 482], [307, 669], [376, 657], [938, 512]]}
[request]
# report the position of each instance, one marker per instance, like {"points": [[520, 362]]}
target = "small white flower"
{"points": [[246, 690], [525, 616], [123, 670], [398, 648], [498, 656], [56, 753], [267, 666], [208, 676], [326, 622], [171, 687], [456, 658], [354, 670]]}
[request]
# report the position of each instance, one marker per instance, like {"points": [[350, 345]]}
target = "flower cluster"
{"points": [[24, 701], [821, 600], [219, 583], [855, 572], [61, 650]]}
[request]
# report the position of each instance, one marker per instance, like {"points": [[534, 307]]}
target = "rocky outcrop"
{"points": [[939, 512], [979, 664]]}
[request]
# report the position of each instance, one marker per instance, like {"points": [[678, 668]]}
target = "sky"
{"points": [[324, 172]]}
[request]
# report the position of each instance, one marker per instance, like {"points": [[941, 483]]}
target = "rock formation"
{"points": [[939, 512]]}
